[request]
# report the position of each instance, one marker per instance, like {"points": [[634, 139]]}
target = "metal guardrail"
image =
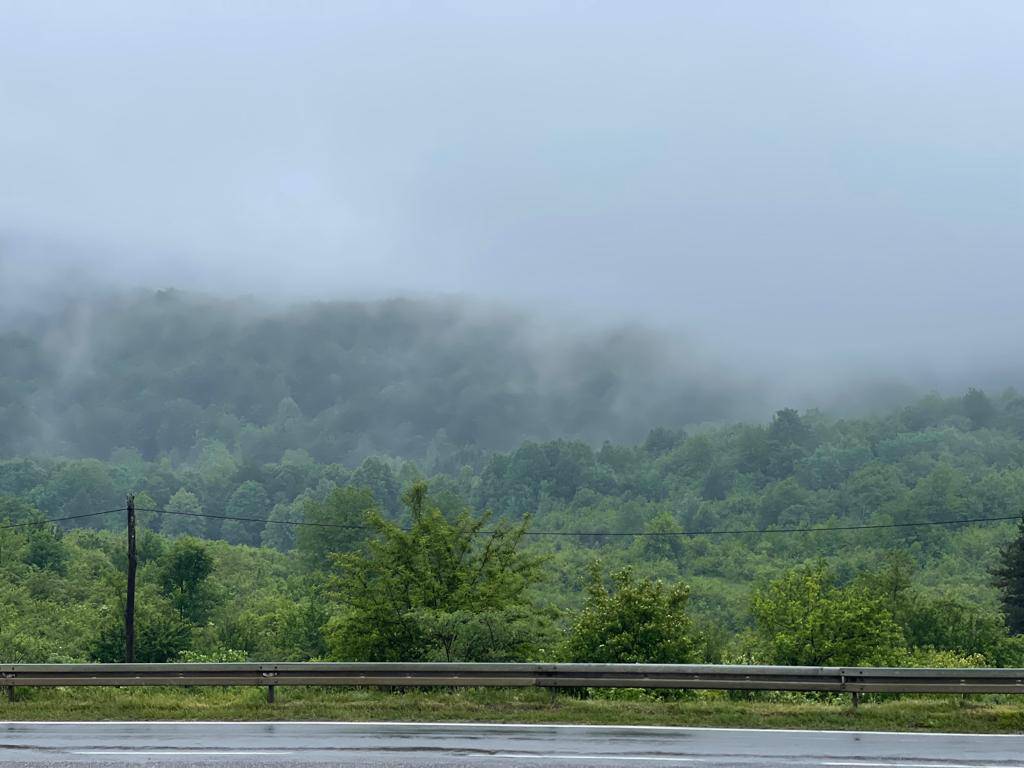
{"points": [[855, 680]]}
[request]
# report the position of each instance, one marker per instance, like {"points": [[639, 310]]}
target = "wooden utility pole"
{"points": [[129, 603]]}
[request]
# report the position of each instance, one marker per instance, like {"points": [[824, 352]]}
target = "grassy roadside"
{"points": [[926, 713]]}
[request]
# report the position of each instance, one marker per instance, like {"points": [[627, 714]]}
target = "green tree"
{"points": [[788, 428], [661, 539], [788, 439], [296, 472], [717, 482], [19, 476], [781, 502], [183, 575], [936, 622], [278, 534], [950, 624], [216, 468], [184, 507], [1009, 579], [693, 457], [893, 581], [249, 500], [662, 439], [79, 487], [150, 521], [45, 548], [637, 621], [978, 408], [753, 449], [804, 618], [339, 523], [444, 589], [160, 635], [40, 545], [127, 469], [376, 474]]}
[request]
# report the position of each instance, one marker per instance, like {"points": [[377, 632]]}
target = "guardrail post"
{"points": [[10, 694], [856, 698], [270, 675]]}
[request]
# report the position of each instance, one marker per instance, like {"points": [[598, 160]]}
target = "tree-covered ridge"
{"points": [[567, 584], [162, 371]]}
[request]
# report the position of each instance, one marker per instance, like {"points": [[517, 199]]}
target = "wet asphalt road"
{"points": [[233, 745]]}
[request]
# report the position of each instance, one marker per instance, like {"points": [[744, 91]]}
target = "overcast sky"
{"points": [[832, 184]]}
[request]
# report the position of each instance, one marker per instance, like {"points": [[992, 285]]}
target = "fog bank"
{"points": [[826, 200]]}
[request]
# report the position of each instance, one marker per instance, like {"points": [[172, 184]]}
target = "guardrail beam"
{"points": [[550, 676]]}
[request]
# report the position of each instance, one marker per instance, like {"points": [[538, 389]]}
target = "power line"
{"points": [[58, 519], [866, 527], [723, 532], [256, 519]]}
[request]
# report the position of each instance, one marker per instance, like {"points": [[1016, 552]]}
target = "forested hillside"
{"points": [[160, 372], [545, 532]]}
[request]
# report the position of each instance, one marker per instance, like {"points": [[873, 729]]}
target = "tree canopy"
{"points": [[444, 589], [329, 560]]}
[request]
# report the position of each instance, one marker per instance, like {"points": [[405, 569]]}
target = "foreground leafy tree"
{"points": [[35, 628], [279, 628], [940, 624], [1009, 578], [184, 571], [952, 625], [637, 621], [160, 634], [804, 618], [444, 589]]}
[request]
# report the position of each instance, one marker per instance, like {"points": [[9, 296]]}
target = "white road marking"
{"points": [[183, 752], [616, 758], [532, 726], [865, 764]]}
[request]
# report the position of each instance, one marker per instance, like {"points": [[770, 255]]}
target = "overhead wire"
{"points": [[256, 519], [714, 532], [721, 532], [29, 523]]}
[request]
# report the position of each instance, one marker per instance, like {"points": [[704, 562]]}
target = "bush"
{"points": [[637, 621], [805, 619], [160, 636]]}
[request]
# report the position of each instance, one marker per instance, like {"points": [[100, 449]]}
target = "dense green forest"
{"points": [[341, 380], [554, 550]]}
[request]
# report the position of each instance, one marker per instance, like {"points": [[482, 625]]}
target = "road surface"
{"points": [[423, 745]]}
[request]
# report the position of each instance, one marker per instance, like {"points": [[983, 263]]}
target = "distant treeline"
{"points": [[555, 584], [161, 371]]}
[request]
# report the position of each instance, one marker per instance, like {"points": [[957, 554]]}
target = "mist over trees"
{"points": [[406, 431], [162, 372]]}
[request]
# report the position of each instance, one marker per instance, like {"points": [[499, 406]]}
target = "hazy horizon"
{"points": [[821, 199]]}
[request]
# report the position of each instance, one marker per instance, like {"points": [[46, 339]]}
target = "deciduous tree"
{"points": [[804, 618], [445, 588], [636, 621]]}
